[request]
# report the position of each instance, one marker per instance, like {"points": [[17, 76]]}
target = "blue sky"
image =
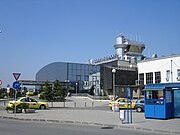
{"points": [[38, 32]]}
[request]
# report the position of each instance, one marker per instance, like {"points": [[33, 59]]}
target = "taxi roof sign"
{"points": [[16, 75]]}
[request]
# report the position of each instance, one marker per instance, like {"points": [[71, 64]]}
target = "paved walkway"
{"points": [[90, 116]]}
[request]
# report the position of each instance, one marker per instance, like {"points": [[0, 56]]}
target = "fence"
{"points": [[72, 104]]}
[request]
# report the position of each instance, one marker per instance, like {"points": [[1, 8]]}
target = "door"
{"points": [[33, 104], [177, 103]]}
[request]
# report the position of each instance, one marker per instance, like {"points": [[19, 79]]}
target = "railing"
{"points": [[72, 104]]}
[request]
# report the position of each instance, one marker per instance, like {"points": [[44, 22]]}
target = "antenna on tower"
{"points": [[136, 38], [139, 38], [130, 37]]}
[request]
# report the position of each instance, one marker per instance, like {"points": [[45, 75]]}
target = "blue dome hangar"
{"points": [[109, 75]]}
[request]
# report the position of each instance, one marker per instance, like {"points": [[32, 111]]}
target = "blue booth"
{"points": [[162, 101]]}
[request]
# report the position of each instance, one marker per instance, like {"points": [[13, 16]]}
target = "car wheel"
{"points": [[42, 107], [139, 109]]}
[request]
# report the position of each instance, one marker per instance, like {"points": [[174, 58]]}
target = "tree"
{"points": [[53, 92], [57, 89], [48, 93]]}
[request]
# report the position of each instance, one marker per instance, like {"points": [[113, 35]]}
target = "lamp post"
{"points": [[76, 88], [114, 71]]}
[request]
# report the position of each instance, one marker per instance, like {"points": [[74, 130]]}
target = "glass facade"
{"points": [[80, 72], [71, 72]]}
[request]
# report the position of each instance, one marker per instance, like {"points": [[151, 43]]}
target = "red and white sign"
{"points": [[16, 75]]}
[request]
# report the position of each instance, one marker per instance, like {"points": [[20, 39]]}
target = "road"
{"points": [[15, 127]]}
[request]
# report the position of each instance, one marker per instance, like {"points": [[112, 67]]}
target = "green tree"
{"points": [[57, 89], [48, 93]]}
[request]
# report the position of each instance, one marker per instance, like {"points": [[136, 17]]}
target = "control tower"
{"points": [[127, 49]]}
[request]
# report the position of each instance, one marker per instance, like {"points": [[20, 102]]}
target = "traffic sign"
{"points": [[16, 75], [16, 85]]}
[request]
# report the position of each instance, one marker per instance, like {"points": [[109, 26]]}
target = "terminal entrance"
{"points": [[177, 103]]}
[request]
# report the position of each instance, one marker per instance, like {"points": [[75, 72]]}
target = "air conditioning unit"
{"points": [[178, 78]]}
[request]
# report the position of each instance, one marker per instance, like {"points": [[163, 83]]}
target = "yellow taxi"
{"points": [[30, 93], [41, 95], [32, 103], [122, 102]]}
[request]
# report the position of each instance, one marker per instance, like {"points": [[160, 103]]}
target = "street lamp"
{"points": [[76, 88], [114, 71]]}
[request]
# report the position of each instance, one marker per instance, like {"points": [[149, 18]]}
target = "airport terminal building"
{"points": [[127, 67], [97, 75]]}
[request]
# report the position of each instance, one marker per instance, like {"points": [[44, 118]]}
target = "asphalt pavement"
{"points": [[11, 127], [98, 115]]}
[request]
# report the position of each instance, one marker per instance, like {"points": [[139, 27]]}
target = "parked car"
{"points": [[139, 106], [30, 93], [33, 103], [41, 95], [122, 102]]}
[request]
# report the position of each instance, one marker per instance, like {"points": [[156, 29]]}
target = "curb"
{"points": [[130, 127]]}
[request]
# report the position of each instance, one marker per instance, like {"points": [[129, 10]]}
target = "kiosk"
{"points": [[162, 101]]}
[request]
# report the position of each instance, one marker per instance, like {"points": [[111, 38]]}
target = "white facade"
{"points": [[160, 70], [94, 80]]}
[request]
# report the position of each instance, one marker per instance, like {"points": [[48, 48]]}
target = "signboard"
{"points": [[16, 75], [122, 115], [16, 85]]}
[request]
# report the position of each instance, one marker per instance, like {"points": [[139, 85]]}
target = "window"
{"points": [[167, 75], [74, 66], [70, 66], [149, 78], [94, 78], [149, 95], [78, 66], [178, 73], [78, 72], [141, 77], [78, 78], [157, 77], [86, 78]]}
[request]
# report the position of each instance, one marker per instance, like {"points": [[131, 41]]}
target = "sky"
{"points": [[34, 33]]}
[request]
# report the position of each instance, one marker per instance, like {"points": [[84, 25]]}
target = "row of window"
{"points": [[84, 67], [168, 75], [78, 77], [81, 72], [149, 76]]}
